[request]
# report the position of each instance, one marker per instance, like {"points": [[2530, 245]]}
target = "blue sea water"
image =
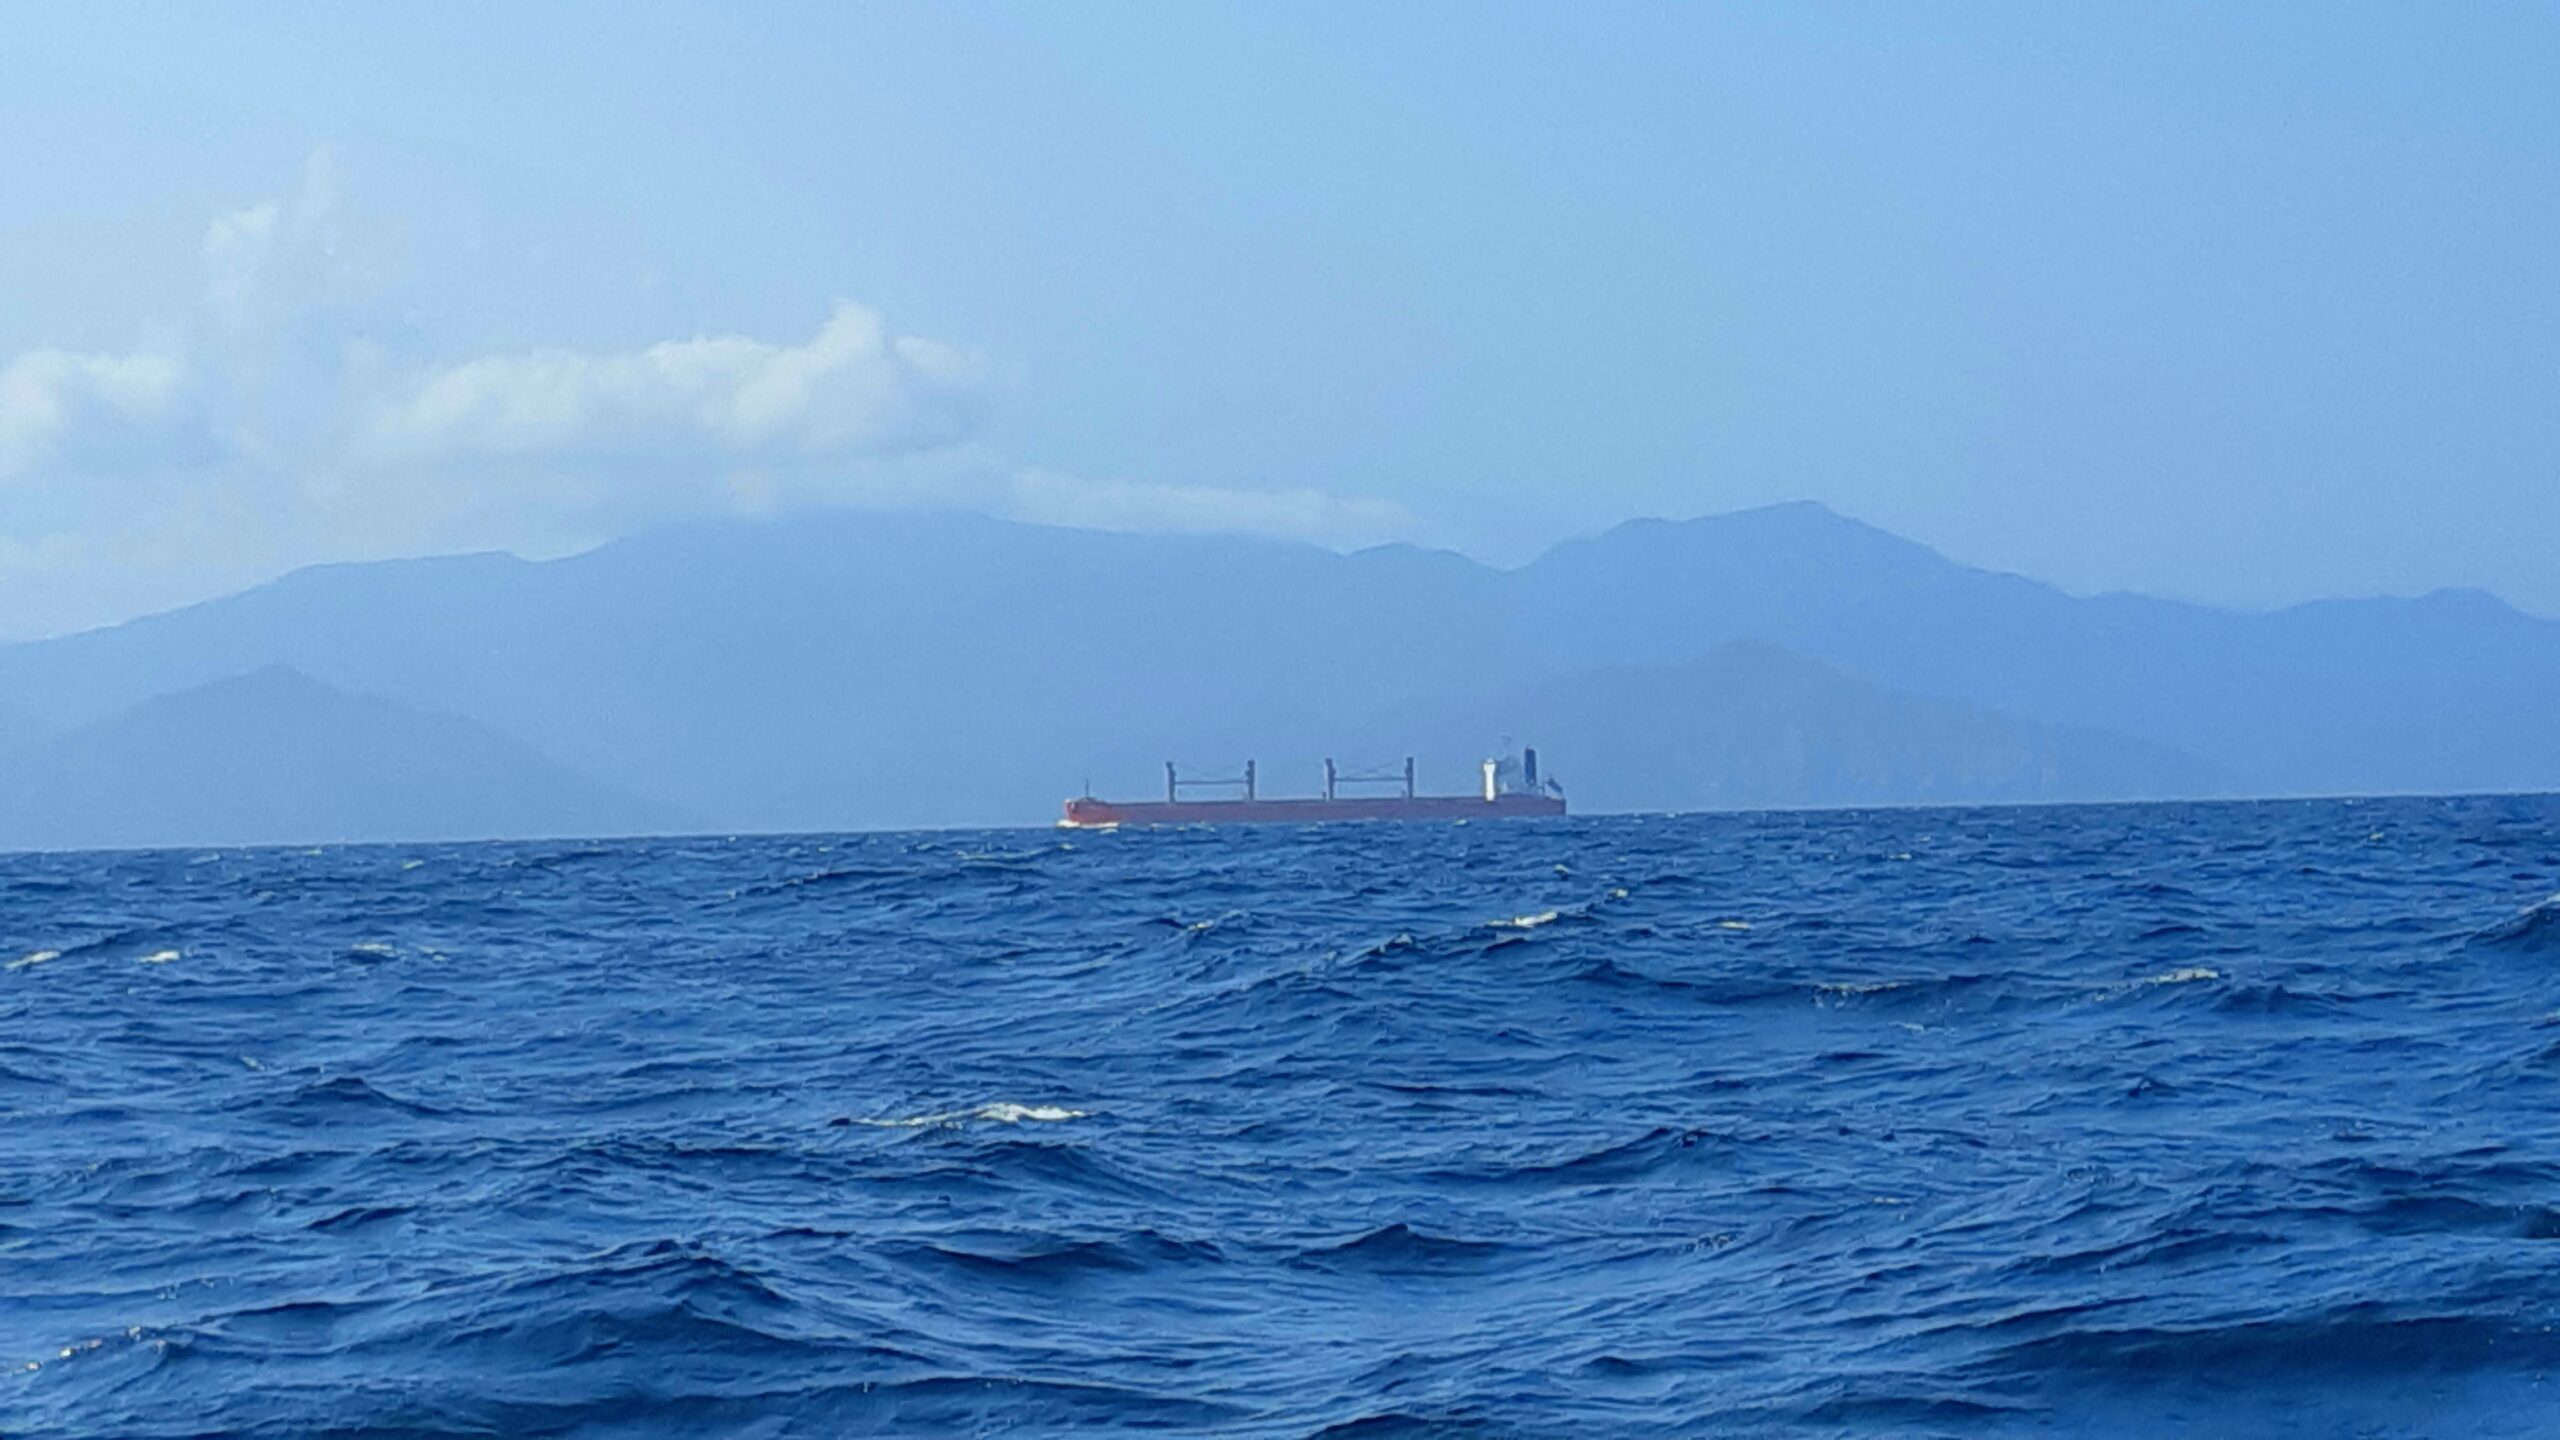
{"points": [[2144, 1120]]}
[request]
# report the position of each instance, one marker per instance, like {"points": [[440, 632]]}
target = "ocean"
{"points": [[2228, 1119]]}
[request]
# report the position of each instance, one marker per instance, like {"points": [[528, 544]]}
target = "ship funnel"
{"points": [[1529, 769]]}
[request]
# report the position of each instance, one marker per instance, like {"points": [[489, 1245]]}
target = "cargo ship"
{"points": [[1513, 790]]}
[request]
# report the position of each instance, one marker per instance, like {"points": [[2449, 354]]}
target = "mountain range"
{"points": [[275, 757], [860, 670]]}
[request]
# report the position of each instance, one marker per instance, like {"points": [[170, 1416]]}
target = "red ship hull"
{"points": [[1088, 811]]}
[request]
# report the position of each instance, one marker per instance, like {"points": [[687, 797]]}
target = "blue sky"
{"points": [[2247, 304]]}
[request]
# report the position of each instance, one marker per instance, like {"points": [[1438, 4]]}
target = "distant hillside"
{"points": [[849, 670], [19, 730], [839, 670], [1751, 726], [276, 757], [2450, 692]]}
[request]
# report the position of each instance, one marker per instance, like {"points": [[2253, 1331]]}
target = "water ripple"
{"points": [[2230, 1119]]}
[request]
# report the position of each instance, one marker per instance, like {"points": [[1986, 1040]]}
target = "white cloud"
{"points": [[294, 417], [200, 399], [235, 251], [852, 389], [62, 408], [269, 263]]}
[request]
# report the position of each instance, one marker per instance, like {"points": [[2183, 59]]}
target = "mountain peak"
{"points": [[886, 672], [1798, 528], [271, 755]]}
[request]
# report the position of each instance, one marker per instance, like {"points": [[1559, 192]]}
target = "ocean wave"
{"points": [[2535, 930], [1615, 972], [2359, 1342], [1002, 1112], [145, 943], [1400, 1248], [854, 877], [1662, 1150], [1045, 1260], [2084, 1121], [344, 1097], [1396, 1424]]}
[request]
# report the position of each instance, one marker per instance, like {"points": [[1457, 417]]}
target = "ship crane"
{"points": [[1175, 784], [1334, 779], [1512, 790]]}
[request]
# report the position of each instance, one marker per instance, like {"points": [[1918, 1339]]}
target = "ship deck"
{"points": [[1086, 812]]}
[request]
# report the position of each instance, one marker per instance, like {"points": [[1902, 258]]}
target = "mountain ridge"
{"points": [[273, 756], [1756, 726], [867, 669]]}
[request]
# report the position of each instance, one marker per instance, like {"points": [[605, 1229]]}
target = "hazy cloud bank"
{"points": [[853, 388], [59, 407], [293, 417]]}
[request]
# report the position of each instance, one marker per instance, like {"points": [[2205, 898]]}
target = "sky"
{"points": [[2246, 304]]}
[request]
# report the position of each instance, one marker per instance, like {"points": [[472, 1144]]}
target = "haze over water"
{"points": [[2201, 1119]]}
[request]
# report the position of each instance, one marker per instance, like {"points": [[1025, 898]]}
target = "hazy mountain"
{"points": [[1753, 726], [276, 757], [19, 730], [2450, 692], [847, 669]]}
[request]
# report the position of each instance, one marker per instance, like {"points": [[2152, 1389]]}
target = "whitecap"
{"points": [[2187, 976], [372, 947], [1002, 1112], [159, 957], [1857, 987], [1733, 924], [1010, 1114], [34, 957], [1528, 922]]}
